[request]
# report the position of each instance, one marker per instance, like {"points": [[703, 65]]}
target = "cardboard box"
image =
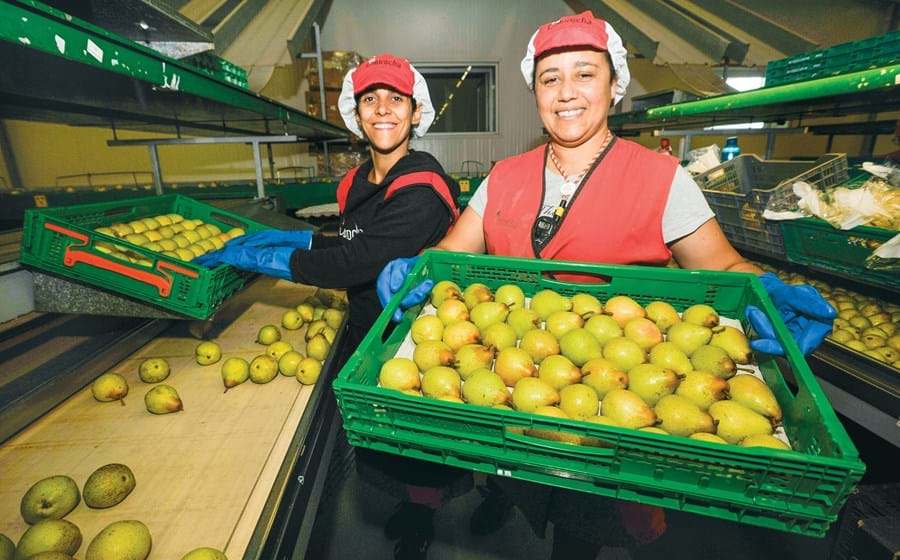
{"points": [[335, 64]]}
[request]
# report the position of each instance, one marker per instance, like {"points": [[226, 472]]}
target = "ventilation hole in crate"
{"points": [[57, 246], [182, 290]]}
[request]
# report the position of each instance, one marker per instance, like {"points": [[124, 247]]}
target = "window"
{"points": [[464, 97]]}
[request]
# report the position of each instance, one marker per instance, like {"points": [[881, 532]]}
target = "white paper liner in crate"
{"points": [[407, 347]]}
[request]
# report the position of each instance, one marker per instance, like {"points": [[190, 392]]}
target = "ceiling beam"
{"points": [[704, 39], [770, 32]]}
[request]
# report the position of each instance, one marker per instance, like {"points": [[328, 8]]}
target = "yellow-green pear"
{"points": [[488, 313], [732, 341], [688, 336], [433, 353], [427, 327], [499, 336], [652, 382], [278, 349], [108, 486], [753, 393], [485, 388], [291, 320], [7, 548], [734, 421], [644, 332], [702, 388], [510, 295], [49, 498], [602, 376], [441, 381], [289, 362], [400, 374], [624, 353], [662, 314], [627, 409], [702, 315], [444, 290], [48, 555], [603, 328], [268, 334], [578, 401], [204, 553], [714, 360], [308, 371], [586, 305], [207, 353], [522, 320], [558, 372], [514, 364], [451, 311], [531, 393], [318, 326], [539, 344], [623, 309], [561, 322], [153, 370], [163, 399], [655, 430], [234, 372], [681, 417], [605, 420], [318, 347], [472, 357], [762, 440], [668, 355], [709, 438], [109, 387], [333, 317], [121, 540], [545, 302], [329, 334], [580, 346], [263, 369], [476, 293], [306, 312], [553, 435], [49, 535]]}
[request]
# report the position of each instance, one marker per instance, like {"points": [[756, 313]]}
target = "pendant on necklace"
{"points": [[568, 188]]}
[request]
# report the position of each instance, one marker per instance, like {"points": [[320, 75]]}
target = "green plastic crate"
{"points": [[814, 242], [790, 491], [62, 241]]}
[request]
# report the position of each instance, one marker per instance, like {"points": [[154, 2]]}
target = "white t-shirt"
{"points": [[686, 208]]}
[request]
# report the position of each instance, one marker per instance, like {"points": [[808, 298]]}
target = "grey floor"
{"points": [[352, 514]]}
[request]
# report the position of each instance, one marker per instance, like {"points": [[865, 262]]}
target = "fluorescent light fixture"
{"points": [[746, 83]]}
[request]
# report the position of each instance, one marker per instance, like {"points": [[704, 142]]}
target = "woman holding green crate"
{"points": [[589, 196]]}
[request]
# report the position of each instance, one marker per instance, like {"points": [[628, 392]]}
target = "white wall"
{"points": [[493, 31]]}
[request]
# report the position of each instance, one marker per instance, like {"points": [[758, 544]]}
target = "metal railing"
{"points": [[293, 170]]}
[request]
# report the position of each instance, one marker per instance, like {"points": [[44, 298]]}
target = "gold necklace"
{"points": [[571, 184]]}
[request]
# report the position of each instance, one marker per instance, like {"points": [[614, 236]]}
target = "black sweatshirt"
{"points": [[373, 232]]}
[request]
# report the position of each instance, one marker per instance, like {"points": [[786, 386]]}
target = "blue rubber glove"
{"points": [[807, 315], [391, 279], [295, 238], [271, 261]]}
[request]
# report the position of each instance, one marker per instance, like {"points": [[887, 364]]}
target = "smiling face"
{"points": [[574, 93], [386, 118]]}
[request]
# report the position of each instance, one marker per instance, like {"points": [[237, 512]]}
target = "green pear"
{"points": [[400, 374], [688, 336], [714, 360], [531, 393], [451, 311], [578, 401], [289, 362], [753, 393], [644, 332], [732, 341], [539, 344], [476, 293], [207, 353], [334, 317], [603, 327], [472, 357], [702, 315], [488, 313], [662, 314], [153, 370], [234, 372], [433, 353], [623, 309], [624, 353], [263, 369], [108, 486], [762, 440], [523, 320], [499, 336], [702, 388], [314, 328], [164, 399], [580, 346], [291, 320], [681, 417], [586, 305], [441, 381], [602, 376], [627, 409], [49, 535], [709, 438], [49, 498], [427, 327], [318, 347], [510, 295], [558, 371], [652, 382], [444, 290], [561, 322], [735, 421], [553, 435], [514, 364], [485, 388], [204, 553], [279, 349], [7, 548], [546, 302], [460, 333], [308, 371], [668, 355], [306, 312], [121, 540], [268, 334], [109, 387]]}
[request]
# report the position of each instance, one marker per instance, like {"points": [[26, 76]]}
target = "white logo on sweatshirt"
{"points": [[349, 234]]}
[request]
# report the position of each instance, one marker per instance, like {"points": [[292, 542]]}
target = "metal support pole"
{"points": [[271, 161], [770, 145], [327, 159], [321, 70], [257, 162], [155, 168]]}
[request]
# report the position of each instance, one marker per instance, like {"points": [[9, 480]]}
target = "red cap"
{"points": [[572, 31], [384, 69]]}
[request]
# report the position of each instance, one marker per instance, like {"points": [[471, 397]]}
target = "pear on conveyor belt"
{"points": [[121, 540], [163, 399], [49, 535], [108, 486], [49, 498]]}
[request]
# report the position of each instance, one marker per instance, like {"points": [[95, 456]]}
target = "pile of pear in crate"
{"points": [[615, 362]]}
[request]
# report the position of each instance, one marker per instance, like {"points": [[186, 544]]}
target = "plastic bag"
{"points": [[887, 257], [703, 159]]}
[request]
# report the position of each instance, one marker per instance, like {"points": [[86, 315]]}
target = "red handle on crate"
{"points": [[162, 282]]}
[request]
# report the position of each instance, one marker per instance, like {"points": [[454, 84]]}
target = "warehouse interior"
{"points": [[223, 116]]}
